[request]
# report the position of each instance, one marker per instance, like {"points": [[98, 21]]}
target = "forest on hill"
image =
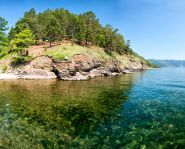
{"points": [[59, 25]]}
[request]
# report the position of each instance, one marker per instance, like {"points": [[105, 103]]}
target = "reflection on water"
{"points": [[143, 110], [54, 114]]}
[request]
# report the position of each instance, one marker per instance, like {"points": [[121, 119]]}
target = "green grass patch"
{"points": [[66, 51]]}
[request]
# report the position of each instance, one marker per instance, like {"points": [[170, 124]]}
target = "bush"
{"points": [[4, 69], [3, 51], [17, 60]]}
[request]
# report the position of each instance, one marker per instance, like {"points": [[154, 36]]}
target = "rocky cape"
{"points": [[79, 67]]}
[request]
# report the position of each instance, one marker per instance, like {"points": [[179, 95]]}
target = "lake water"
{"points": [[140, 110]]}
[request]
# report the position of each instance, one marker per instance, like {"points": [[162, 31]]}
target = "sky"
{"points": [[156, 28]]}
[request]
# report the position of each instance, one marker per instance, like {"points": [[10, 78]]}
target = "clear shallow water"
{"points": [[142, 110]]}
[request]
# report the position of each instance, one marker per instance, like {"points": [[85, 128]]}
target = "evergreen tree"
{"points": [[31, 19], [22, 40], [3, 37], [52, 30], [60, 24], [88, 27], [72, 27]]}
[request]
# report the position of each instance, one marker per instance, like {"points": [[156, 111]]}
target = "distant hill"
{"points": [[165, 63]]}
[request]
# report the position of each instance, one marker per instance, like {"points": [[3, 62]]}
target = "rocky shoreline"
{"points": [[80, 67]]}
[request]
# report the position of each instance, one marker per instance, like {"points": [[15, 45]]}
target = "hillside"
{"points": [[166, 63], [60, 44], [69, 61]]}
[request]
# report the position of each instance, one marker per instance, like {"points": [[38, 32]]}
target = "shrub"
{"points": [[4, 68], [3, 51], [17, 60]]}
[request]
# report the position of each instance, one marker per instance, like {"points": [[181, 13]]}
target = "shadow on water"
{"points": [[57, 114]]}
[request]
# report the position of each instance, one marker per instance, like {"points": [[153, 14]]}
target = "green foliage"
{"points": [[60, 24], [22, 40], [88, 27], [4, 68], [3, 24], [18, 60], [19, 26], [32, 20], [52, 30], [4, 51], [3, 37]]}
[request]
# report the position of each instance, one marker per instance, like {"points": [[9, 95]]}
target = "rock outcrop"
{"points": [[83, 67], [79, 67]]}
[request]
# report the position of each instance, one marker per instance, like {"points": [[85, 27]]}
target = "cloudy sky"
{"points": [[156, 28]]}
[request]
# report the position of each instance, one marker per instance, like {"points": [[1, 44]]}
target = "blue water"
{"points": [[140, 110], [155, 111]]}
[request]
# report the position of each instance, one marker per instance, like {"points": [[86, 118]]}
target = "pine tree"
{"points": [[3, 37], [52, 30], [22, 40]]}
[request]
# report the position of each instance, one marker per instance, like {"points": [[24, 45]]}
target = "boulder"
{"points": [[77, 77], [127, 71], [85, 63], [115, 73], [99, 73], [42, 62]]}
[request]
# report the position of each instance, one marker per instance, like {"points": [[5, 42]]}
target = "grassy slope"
{"points": [[67, 50]]}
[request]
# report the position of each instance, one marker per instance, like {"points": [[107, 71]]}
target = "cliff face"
{"points": [[81, 65], [75, 69]]}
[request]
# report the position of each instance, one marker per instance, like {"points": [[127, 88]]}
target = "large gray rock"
{"points": [[42, 62], [96, 73], [126, 71], [85, 63], [99, 73], [77, 77]]}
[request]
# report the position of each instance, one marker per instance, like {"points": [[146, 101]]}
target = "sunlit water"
{"points": [[141, 110]]}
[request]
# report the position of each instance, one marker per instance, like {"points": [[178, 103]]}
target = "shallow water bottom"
{"points": [[140, 110]]}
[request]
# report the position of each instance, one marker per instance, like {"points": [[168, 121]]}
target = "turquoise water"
{"points": [[140, 110]]}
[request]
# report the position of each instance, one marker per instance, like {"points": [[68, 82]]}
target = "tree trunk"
{"points": [[72, 38], [86, 42]]}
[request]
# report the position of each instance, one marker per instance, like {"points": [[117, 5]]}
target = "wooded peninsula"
{"points": [[60, 44]]}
